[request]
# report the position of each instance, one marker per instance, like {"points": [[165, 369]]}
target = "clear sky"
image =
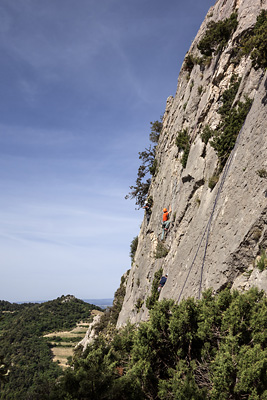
{"points": [[80, 82]]}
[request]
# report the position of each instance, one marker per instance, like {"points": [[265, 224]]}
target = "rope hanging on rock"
{"points": [[207, 229]]}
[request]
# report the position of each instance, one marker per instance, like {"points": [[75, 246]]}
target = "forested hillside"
{"points": [[25, 353]]}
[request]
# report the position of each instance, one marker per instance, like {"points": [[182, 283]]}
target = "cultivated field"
{"points": [[63, 347]]}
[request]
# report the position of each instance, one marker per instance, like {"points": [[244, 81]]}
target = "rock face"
{"points": [[215, 235], [90, 334]]}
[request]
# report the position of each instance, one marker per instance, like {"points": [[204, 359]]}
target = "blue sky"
{"points": [[80, 82]]}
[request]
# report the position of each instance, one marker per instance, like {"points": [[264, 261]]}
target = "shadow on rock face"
{"points": [[264, 100]]}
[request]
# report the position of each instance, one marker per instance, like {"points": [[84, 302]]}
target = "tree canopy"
{"points": [[214, 348]]}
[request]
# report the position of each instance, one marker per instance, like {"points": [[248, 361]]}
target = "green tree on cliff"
{"points": [[147, 168]]}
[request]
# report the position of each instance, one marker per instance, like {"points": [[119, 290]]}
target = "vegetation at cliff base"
{"points": [[214, 348]]}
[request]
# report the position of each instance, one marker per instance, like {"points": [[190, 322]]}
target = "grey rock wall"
{"points": [[91, 333], [236, 217]]}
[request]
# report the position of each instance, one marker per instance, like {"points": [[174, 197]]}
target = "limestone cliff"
{"points": [[215, 234]]}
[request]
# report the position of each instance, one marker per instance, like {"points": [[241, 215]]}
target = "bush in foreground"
{"points": [[214, 348]]}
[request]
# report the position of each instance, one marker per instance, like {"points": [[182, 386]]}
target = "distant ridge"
{"points": [[103, 303]]}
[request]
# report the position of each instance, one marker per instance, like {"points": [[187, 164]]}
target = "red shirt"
{"points": [[165, 216]]}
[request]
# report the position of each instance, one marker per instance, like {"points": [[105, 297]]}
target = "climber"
{"points": [[148, 211], [165, 221], [162, 282]]}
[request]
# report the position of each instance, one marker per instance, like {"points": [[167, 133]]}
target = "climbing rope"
{"points": [[225, 172], [208, 226]]}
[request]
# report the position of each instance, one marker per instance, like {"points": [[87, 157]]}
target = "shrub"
{"points": [[139, 303], [262, 262], [225, 135], [213, 180], [206, 134], [217, 35], [155, 130], [255, 42], [154, 168], [183, 144], [151, 300], [182, 140], [204, 61], [133, 247], [200, 89], [262, 173], [189, 62], [161, 250], [228, 96], [256, 234], [149, 165], [197, 201]]}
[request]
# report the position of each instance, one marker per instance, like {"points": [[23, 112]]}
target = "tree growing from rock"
{"points": [[147, 168]]}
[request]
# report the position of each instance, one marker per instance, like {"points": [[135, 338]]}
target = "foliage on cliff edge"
{"points": [[148, 167]]}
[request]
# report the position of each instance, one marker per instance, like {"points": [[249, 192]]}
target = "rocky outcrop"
{"points": [[216, 234], [91, 333]]}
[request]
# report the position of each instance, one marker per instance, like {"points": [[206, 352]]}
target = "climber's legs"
{"points": [[165, 227]]}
